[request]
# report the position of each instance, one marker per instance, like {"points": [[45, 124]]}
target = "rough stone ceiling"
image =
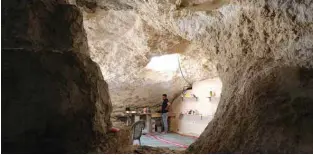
{"points": [[262, 50], [124, 35]]}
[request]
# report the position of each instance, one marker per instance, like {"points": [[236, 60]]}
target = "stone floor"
{"points": [[172, 141]]}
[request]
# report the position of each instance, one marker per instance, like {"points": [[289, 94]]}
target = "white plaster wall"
{"points": [[195, 124]]}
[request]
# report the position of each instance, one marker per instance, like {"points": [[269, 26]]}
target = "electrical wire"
{"points": [[181, 72]]}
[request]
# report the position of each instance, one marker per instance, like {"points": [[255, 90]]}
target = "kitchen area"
{"points": [[189, 114]]}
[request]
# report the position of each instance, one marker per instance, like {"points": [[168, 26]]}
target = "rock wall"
{"points": [[54, 98], [262, 51], [265, 108], [122, 42], [51, 107], [265, 63], [41, 24]]}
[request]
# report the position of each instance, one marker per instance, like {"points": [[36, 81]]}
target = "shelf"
{"points": [[197, 115], [193, 115]]}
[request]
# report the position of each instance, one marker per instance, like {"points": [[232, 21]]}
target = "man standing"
{"points": [[164, 110]]}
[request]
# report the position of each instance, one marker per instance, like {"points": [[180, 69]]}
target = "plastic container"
{"points": [[153, 125], [159, 129]]}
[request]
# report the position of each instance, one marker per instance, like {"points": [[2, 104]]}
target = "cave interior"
{"points": [[76, 74]]}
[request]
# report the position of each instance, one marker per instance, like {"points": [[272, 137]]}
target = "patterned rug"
{"points": [[171, 140]]}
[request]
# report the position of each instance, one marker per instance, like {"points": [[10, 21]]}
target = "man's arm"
{"points": [[168, 105]]}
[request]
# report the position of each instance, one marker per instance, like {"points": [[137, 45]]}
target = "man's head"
{"points": [[164, 96]]}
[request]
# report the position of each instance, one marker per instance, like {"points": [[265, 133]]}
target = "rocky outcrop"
{"points": [[265, 63], [265, 108], [154, 150], [262, 51], [123, 42], [54, 102], [54, 98], [116, 142], [40, 24]]}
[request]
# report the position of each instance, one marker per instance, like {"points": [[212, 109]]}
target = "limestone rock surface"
{"points": [[262, 51], [54, 98], [123, 41], [51, 107]]}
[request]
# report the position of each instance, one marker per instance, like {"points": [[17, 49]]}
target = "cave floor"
{"points": [[172, 141]]}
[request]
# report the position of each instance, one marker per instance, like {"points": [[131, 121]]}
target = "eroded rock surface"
{"points": [[54, 98], [256, 46], [123, 42], [154, 150], [43, 24], [265, 108], [51, 107], [262, 51]]}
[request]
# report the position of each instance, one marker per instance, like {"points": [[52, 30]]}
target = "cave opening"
{"points": [[164, 63]]}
